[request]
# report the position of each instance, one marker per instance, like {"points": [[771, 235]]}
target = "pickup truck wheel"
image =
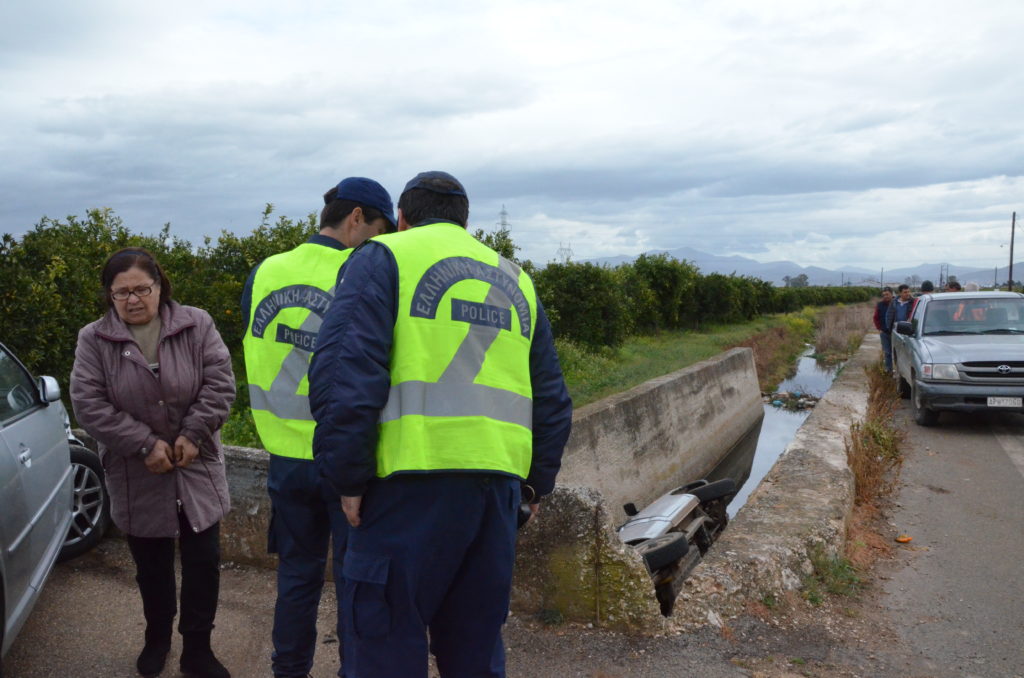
{"points": [[91, 514], [902, 386], [662, 551], [922, 415]]}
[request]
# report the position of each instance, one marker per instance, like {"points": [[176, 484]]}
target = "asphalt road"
{"points": [[955, 594], [951, 603]]}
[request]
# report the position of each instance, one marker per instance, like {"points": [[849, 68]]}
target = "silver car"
{"points": [[36, 495], [676, 530], [961, 351]]}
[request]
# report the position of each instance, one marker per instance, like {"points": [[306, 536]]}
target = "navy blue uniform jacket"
{"points": [[349, 379]]}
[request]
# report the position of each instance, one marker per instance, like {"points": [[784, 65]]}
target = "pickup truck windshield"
{"points": [[978, 315]]}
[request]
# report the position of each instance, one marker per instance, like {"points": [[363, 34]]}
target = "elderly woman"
{"points": [[152, 383]]}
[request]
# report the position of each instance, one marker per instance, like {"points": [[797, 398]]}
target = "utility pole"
{"points": [[1013, 227], [881, 279]]}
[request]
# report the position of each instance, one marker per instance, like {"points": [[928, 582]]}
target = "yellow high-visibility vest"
{"points": [[461, 397], [291, 292]]}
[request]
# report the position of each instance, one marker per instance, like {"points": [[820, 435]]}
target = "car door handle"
{"points": [[26, 457]]}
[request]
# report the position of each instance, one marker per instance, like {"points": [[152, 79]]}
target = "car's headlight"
{"points": [[939, 371]]}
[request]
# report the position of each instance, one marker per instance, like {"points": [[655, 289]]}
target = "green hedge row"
{"points": [[600, 306], [49, 287]]}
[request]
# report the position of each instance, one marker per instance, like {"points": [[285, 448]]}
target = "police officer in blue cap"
{"points": [[440, 407], [283, 304]]}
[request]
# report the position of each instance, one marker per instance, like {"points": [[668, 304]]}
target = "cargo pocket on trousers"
{"points": [[366, 578]]}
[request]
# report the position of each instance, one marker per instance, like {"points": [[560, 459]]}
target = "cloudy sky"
{"points": [[829, 133]]}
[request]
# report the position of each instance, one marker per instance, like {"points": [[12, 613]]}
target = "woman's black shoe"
{"points": [[152, 659], [197, 659]]}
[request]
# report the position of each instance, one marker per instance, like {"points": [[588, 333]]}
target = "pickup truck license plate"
{"points": [[1004, 402]]}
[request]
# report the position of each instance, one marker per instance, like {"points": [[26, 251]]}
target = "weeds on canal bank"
{"points": [[776, 341], [776, 348], [831, 574], [594, 374], [874, 455], [873, 450], [839, 331]]}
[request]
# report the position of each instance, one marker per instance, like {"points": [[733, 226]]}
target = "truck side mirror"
{"points": [[905, 328], [630, 509]]}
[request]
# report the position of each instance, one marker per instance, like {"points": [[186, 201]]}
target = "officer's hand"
{"points": [[350, 505], [534, 511], [159, 458], [185, 451]]}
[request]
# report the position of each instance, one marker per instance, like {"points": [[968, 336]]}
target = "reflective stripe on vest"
{"points": [[472, 410], [281, 336]]}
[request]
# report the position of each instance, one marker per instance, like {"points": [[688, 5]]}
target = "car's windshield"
{"points": [[977, 315]]}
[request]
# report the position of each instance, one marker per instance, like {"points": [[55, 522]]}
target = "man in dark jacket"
{"points": [[899, 310], [283, 304], [884, 333], [440, 406]]}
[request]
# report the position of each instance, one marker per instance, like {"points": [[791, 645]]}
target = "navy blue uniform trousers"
{"points": [[302, 522], [433, 552]]}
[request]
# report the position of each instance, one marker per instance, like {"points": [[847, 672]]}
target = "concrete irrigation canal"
{"points": [[701, 422]]}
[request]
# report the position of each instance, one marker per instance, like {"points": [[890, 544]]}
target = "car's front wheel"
{"points": [[922, 414], [91, 505], [901, 384]]}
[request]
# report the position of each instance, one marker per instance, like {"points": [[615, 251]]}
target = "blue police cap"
{"points": [[366, 192], [436, 181]]}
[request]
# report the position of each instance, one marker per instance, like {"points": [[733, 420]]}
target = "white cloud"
{"points": [[734, 128]]}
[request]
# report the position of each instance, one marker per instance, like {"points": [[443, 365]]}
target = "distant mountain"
{"points": [[965, 274], [775, 271]]}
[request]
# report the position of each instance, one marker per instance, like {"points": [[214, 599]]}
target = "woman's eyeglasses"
{"points": [[122, 295]]}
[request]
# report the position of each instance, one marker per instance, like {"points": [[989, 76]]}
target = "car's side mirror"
{"points": [[49, 389], [630, 509], [905, 328]]}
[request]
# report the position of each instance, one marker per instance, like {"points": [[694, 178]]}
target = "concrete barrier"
{"points": [[635, 445]]}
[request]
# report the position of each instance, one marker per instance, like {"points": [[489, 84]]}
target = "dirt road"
{"points": [[956, 592]]}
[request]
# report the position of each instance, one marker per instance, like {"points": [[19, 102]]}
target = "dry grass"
{"points": [[873, 450], [864, 543], [874, 456], [839, 330]]}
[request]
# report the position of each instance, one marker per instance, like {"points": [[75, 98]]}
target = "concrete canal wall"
{"points": [[633, 446]]}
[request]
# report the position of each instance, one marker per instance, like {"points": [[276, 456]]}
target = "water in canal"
{"points": [[752, 458]]}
